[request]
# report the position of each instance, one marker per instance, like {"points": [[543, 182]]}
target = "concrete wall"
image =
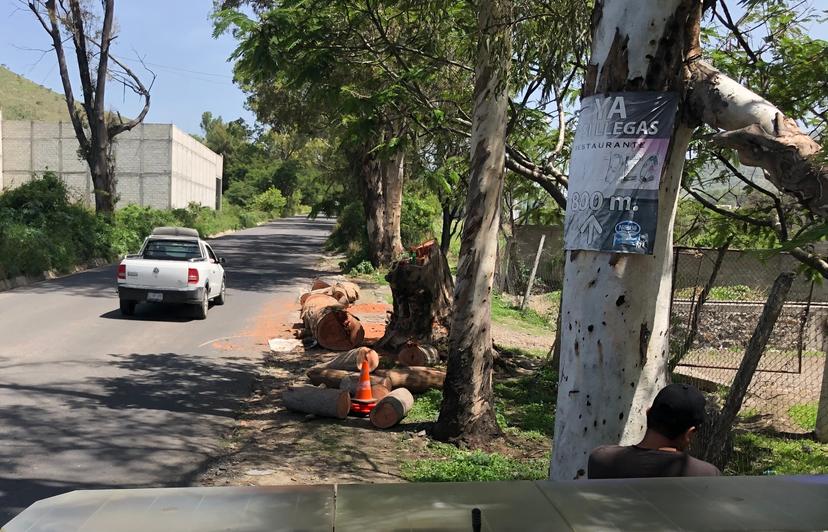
{"points": [[156, 165], [195, 171]]}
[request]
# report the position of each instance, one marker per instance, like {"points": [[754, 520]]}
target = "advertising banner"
{"points": [[618, 156]]}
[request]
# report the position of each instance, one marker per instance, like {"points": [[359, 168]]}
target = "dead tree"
{"points": [[95, 127]]}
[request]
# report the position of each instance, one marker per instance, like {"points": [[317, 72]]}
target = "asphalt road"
{"points": [[89, 399]]}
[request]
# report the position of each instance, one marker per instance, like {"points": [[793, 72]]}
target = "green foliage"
{"points": [[363, 268], [270, 201], [474, 466], [426, 407], [527, 319], [804, 415], [350, 236], [763, 454], [737, 292], [417, 219], [42, 229], [528, 403]]}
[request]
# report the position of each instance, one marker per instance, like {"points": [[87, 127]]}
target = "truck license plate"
{"points": [[154, 296]]}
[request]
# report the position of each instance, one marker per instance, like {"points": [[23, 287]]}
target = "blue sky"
{"points": [[175, 39], [173, 36]]}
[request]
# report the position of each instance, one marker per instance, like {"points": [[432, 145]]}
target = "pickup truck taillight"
{"points": [[192, 276], [122, 271]]}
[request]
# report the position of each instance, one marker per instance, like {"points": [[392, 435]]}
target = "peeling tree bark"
{"points": [[467, 411], [615, 308], [762, 135]]}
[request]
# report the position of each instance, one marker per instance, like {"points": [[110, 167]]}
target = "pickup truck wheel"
{"points": [[201, 309], [127, 307], [221, 297]]}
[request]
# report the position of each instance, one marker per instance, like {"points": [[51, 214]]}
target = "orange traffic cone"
{"points": [[363, 401]]}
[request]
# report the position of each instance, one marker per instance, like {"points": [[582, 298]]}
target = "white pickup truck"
{"points": [[173, 266]]}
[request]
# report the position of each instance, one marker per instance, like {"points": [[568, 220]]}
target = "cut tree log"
{"points": [[319, 284], [392, 408], [413, 354], [350, 383], [352, 360], [423, 290], [329, 377], [332, 326], [416, 379], [345, 292], [323, 291], [326, 402]]}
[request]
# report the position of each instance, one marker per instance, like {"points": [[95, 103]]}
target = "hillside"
{"points": [[22, 99]]}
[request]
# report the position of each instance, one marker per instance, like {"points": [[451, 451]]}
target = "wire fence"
{"points": [[708, 339]]}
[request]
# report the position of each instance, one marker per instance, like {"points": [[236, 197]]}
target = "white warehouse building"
{"points": [[156, 165]]}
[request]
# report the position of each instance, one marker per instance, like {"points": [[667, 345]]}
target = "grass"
{"points": [[525, 411], [725, 293], [22, 99], [804, 415], [455, 465], [527, 319], [762, 454]]}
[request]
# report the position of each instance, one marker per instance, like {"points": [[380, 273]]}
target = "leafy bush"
{"points": [[41, 229], [271, 201], [417, 219]]}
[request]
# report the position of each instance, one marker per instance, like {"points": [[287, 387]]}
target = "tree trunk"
{"points": [[714, 442], [762, 135], [374, 205], [822, 408], [392, 408], [101, 168], [416, 379], [445, 231], [467, 411], [615, 307], [317, 401], [422, 292], [393, 177]]}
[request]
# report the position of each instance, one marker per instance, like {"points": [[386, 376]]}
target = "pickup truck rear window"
{"points": [[171, 250]]}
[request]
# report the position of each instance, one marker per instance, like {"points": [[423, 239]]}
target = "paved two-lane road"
{"points": [[91, 400]]}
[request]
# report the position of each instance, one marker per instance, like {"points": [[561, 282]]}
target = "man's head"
{"points": [[677, 411]]}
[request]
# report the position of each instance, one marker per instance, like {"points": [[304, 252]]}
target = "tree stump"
{"points": [[333, 327], [423, 290], [392, 408], [326, 402]]}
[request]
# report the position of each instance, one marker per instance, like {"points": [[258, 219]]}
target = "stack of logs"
{"points": [[326, 317]]}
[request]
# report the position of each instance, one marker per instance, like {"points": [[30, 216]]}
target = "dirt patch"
{"points": [[272, 445], [370, 308], [512, 337]]}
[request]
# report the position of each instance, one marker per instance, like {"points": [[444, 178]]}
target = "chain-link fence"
{"points": [[709, 342], [718, 297]]}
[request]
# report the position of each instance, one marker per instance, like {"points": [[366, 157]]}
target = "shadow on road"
{"points": [[144, 426]]}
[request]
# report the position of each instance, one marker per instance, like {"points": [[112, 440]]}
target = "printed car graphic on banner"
{"points": [[618, 156]]}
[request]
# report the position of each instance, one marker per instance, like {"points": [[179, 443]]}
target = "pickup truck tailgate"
{"points": [[160, 274]]}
